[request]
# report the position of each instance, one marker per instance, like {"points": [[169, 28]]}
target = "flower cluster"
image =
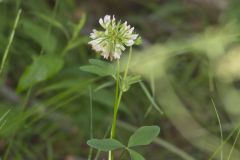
{"points": [[111, 42]]}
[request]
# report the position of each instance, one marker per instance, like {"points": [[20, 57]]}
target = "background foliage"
{"points": [[189, 64]]}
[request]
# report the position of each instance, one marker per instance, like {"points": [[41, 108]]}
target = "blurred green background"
{"points": [[189, 62]]}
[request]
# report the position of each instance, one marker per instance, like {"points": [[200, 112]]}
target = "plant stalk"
{"points": [[118, 97]]}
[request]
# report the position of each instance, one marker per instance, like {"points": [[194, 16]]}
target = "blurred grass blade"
{"points": [[150, 98], [72, 42], [79, 26], [52, 21], [148, 111], [104, 85], [78, 42], [91, 122], [5, 55], [234, 143], [224, 142], [220, 125], [2, 122]]}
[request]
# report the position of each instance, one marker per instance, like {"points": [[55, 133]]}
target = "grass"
{"points": [[220, 125], [5, 54], [91, 122]]}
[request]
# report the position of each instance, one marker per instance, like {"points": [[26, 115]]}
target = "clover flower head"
{"points": [[114, 39]]}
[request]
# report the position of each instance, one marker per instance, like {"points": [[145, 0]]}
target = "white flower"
{"points": [[111, 42]]}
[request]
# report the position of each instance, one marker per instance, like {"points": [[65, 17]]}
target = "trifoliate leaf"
{"points": [[135, 155], [105, 144], [143, 136], [99, 67]]}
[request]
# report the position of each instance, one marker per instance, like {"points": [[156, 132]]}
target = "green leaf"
{"points": [[99, 67], [98, 62], [143, 136], [105, 144], [135, 155], [94, 70], [42, 68], [37, 33]]}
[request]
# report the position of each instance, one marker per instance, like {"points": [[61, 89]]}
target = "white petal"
{"points": [[96, 41], [129, 43], [113, 18], [96, 44], [117, 55], [131, 30], [102, 40], [113, 22], [97, 48], [105, 55], [93, 42], [134, 36], [107, 20], [102, 23], [93, 35]]}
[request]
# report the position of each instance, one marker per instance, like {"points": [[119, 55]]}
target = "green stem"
{"points": [[112, 132], [118, 97]]}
